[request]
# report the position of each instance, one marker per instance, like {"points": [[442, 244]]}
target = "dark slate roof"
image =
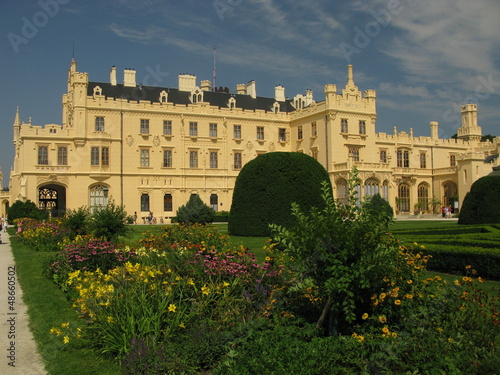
{"points": [[490, 158], [215, 98]]}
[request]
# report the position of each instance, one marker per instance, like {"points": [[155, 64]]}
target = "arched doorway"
{"points": [[52, 198], [450, 194]]}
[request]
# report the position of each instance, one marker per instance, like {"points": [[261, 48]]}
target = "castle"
{"points": [[149, 148]]}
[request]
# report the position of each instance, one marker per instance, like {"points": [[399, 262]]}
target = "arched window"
{"points": [[342, 190], [423, 197], [385, 190], [450, 193], [167, 202], [404, 198], [371, 187], [98, 197], [144, 202], [47, 199]]}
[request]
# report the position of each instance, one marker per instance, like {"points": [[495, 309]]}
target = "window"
{"points": [[344, 126], [214, 202], [193, 129], [260, 133], [193, 159], [371, 187], [237, 160], [213, 159], [299, 132], [237, 132], [145, 202], [98, 197], [385, 190], [105, 156], [314, 153], [167, 127], [62, 155], [99, 124], [354, 153], [144, 157], [167, 158], [282, 135], [362, 127], [423, 197], [342, 190], [314, 129], [383, 156], [167, 202], [43, 155], [423, 160], [94, 156], [453, 161], [144, 126], [404, 198], [213, 130], [403, 159]]}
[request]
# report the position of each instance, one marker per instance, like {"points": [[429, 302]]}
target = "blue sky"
{"points": [[425, 58]]}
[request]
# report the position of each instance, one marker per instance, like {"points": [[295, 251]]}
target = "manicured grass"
{"points": [[47, 308]]}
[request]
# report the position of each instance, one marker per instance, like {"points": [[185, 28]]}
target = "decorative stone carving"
{"points": [[130, 140]]}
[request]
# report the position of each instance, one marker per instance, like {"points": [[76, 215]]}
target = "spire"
{"points": [[17, 121]]}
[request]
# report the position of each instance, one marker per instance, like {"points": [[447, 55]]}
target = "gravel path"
{"points": [[18, 351]]}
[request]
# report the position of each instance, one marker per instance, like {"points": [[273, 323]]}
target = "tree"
{"points": [[481, 205], [344, 250], [195, 211], [379, 207], [26, 209], [267, 186]]}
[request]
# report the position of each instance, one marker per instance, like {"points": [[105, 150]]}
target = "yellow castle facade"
{"points": [[149, 148]]}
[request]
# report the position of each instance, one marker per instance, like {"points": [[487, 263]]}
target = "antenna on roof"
{"points": [[214, 72]]}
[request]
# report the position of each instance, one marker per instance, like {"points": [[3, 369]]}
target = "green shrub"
{"points": [[266, 188], [379, 207], [76, 222], [27, 209], [109, 222], [482, 204], [195, 211]]}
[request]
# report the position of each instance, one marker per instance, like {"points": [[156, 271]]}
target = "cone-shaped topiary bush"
{"points": [[195, 211], [482, 204], [266, 188]]}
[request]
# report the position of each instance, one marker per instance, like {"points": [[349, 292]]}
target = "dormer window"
{"points": [[163, 96], [276, 107], [231, 103], [197, 96], [97, 91]]}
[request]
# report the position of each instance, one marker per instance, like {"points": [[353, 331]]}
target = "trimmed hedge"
{"points": [[482, 204], [266, 188]]}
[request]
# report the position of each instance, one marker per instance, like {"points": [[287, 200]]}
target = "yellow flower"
{"points": [[382, 319], [66, 339], [397, 302], [55, 331], [110, 319], [225, 284], [409, 281], [205, 290], [182, 325], [394, 334], [365, 316], [65, 325], [480, 279], [382, 296], [172, 308], [409, 296], [268, 259], [385, 330], [190, 282]]}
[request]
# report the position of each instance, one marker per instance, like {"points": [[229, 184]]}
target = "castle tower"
{"points": [[470, 130]]}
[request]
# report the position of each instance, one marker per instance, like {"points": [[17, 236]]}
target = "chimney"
{"points": [[279, 93], [187, 82], [206, 85], [129, 78], [112, 76], [434, 129], [251, 89], [309, 97], [350, 77], [241, 88]]}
